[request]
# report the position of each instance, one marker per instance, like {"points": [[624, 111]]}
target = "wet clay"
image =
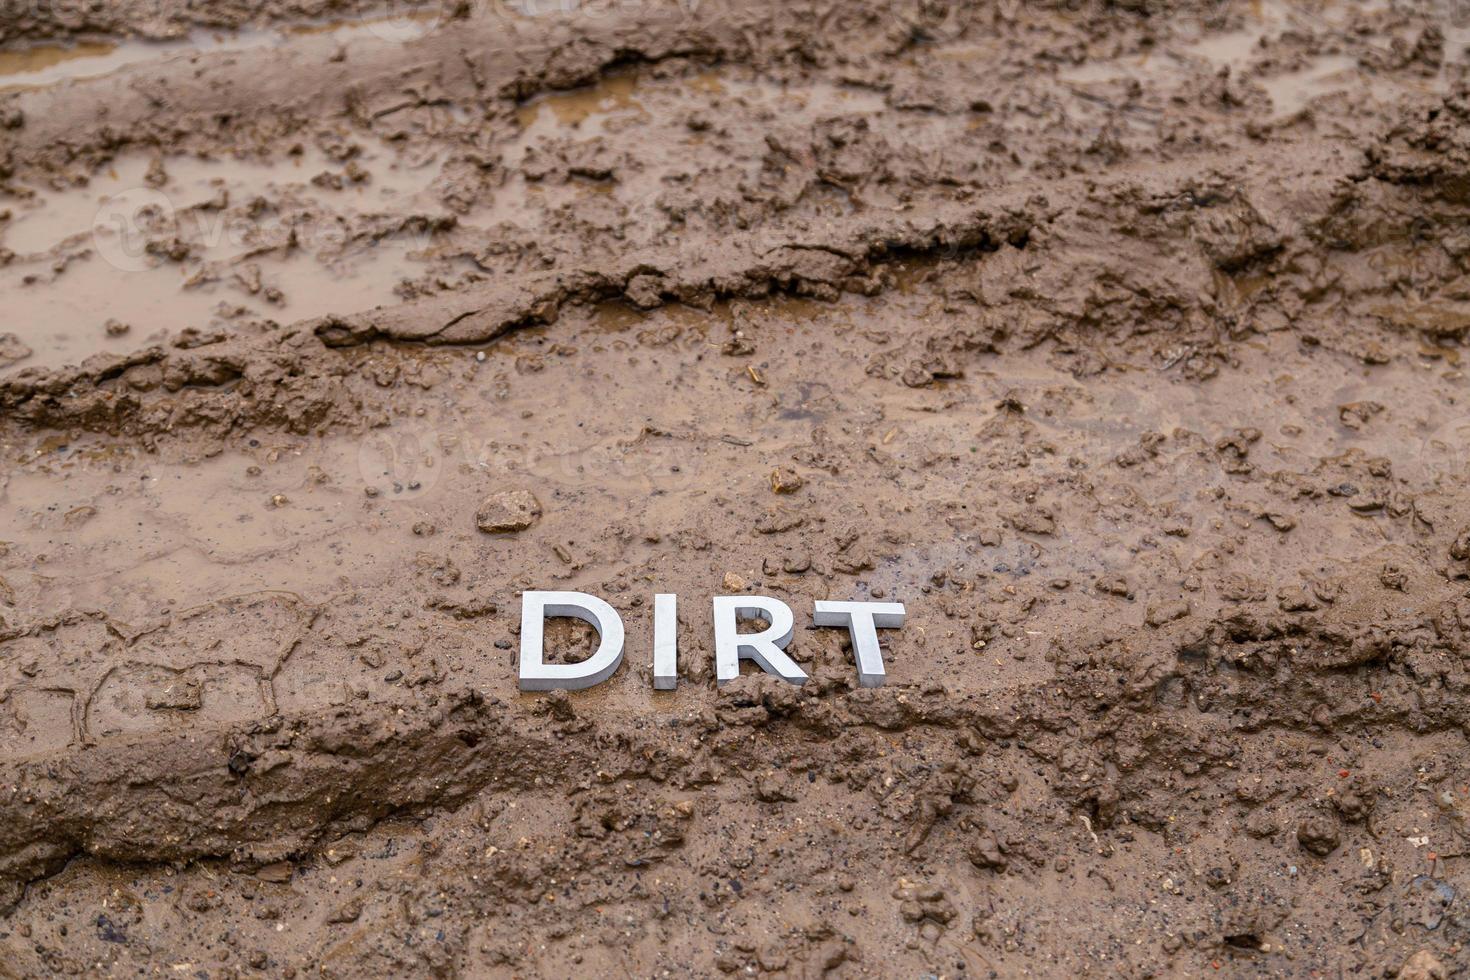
{"points": [[1120, 342]]}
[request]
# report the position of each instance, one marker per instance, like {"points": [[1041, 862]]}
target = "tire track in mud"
{"points": [[853, 255]]}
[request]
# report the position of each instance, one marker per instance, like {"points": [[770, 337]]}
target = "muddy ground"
{"points": [[1120, 341]]}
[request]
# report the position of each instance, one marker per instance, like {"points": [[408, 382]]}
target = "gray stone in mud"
{"points": [[508, 511]]}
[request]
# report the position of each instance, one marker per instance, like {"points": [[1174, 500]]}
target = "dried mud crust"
{"points": [[1121, 344]]}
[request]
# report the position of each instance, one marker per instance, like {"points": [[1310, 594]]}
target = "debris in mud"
{"points": [[785, 480], [507, 511], [1319, 833]]}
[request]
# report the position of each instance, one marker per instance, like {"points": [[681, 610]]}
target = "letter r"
{"points": [[765, 648]]}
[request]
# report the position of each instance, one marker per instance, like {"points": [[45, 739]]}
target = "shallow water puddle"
{"points": [[50, 217], [48, 61], [611, 94], [105, 240], [65, 321], [51, 64]]}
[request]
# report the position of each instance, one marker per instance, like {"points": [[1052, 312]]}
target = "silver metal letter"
{"points": [[536, 675], [863, 619], [765, 647], [665, 642]]}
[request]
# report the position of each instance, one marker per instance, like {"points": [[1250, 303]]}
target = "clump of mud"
{"points": [[1121, 343]]}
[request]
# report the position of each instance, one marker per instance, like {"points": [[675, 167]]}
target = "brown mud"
{"points": [[1122, 342]]}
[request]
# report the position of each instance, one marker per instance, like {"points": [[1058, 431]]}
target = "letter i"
{"points": [[665, 642]]}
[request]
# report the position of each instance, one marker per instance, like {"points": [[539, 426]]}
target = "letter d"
{"points": [[536, 674]]}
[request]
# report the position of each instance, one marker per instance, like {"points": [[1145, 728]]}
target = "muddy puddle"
{"points": [[52, 64], [159, 244], [164, 243]]}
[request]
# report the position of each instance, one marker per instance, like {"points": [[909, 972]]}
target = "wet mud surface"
{"points": [[1121, 342]]}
